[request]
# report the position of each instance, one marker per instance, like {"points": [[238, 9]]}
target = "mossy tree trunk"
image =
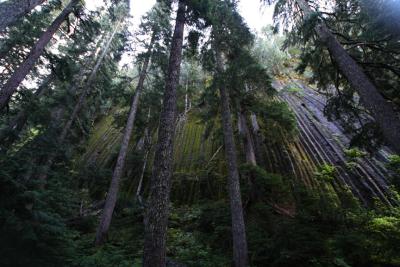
{"points": [[156, 215]]}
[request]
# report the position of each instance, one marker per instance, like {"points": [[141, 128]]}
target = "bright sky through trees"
{"points": [[255, 14]]}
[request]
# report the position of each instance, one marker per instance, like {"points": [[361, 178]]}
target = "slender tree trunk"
{"points": [[258, 143], [12, 10], [187, 96], [382, 110], [240, 254], [19, 75], [78, 79], [145, 159], [11, 132], [254, 122], [256, 137], [112, 194], [156, 216], [67, 126], [146, 147], [247, 139], [87, 87], [140, 184], [248, 144]]}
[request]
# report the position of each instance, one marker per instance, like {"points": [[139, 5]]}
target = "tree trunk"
{"points": [[67, 126], [247, 139], [382, 110], [145, 159], [112, 194], [156, 216], [187, 107], [12, 10], [258, 143], [240, 257], [87, 87], [19, 75], [145, 146]]}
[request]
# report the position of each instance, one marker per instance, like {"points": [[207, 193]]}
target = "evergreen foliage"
{"points": [[306, 201]]}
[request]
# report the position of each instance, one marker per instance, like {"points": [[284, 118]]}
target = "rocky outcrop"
{"points": [[324, 142], [319, 142]]}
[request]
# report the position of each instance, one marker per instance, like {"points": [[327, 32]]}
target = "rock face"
{"points": [[323, 142], [319, 142]]}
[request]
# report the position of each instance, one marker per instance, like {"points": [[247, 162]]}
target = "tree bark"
{"points": [[247, 139], [258, 143], [157, 211], [240, 253], [382, 110], [12, 10], [67, 126], [19, 75], [112, 194]]}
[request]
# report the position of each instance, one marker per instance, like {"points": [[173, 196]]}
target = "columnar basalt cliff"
{"points": [[324, 142], [318, 142]]}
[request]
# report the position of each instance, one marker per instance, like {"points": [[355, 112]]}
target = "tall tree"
{"points": [[112, 193], [240, 257], [79, 104], [229, 36], [157, 211], [12, 10], [37, 50]]}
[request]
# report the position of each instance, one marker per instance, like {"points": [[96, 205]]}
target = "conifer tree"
{"points": [[155, 23], [240, 256], [18, 76], [10, 132], [224, 14], [382, 110], [157, 210], [119, 167], [87, 86]]}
